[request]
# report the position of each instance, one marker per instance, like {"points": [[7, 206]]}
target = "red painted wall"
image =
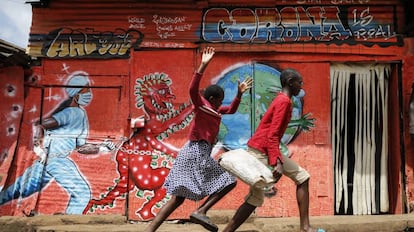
{"points": [[122, 88], [12, 85]]}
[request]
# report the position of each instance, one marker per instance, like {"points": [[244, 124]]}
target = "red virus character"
{"points": [[144, 161]]}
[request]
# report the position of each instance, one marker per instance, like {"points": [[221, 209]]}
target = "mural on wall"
{"points": [[144, 160], [56, 137], [141, 162], [315, 24]]}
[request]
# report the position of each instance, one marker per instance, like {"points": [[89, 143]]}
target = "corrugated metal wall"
{"points": [[125, 45]]}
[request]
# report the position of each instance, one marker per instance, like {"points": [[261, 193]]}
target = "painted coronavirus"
{"points": [[144, 161]]}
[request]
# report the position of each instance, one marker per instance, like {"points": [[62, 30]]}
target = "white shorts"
{"points": [[291, 169]]}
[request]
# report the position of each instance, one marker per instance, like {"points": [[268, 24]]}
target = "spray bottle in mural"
{"points": [[55, 137], [144, 161]]}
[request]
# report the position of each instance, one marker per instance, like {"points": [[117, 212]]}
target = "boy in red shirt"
{"points": [[264, 145]]}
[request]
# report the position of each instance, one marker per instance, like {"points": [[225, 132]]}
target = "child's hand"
{"points": [[208, 53], [277, 171], [245, 85]]}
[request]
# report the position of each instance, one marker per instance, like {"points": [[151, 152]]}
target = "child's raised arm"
{"points": [[206, 57]]}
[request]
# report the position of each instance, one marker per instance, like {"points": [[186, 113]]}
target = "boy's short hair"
{"points": [[287, 74], [213, 91]]}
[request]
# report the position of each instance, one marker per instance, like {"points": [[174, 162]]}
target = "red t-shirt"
{"points": [[271, 128], [206, 122]]}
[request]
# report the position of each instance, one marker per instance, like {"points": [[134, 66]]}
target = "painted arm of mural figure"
{"points": [[95, 148], [39, 134], [175, 120], [39, 130], [305, 123], [51, 123]]}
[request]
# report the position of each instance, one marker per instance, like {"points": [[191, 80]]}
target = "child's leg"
{"points": [[242, 214], [199, 216], [165, 211], [301, 177], [214, 198]]}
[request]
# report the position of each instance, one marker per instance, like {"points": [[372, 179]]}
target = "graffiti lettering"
{"points": [[272, 25], [364, 18], [136, 23], [162, 45], [174, 45], [373, 33], [167, 20], [136, 20], [364, 26], [308, 1], [325, 2], [292, 24], [167, 26], [65, 42], [349, 1]]}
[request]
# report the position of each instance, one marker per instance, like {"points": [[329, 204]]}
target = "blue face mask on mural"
{"points": [[84, 98]]}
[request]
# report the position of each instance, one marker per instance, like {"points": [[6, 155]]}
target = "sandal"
{"points": [[204, 221], [270, 191]]}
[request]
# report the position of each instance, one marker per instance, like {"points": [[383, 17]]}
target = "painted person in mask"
{"points": [[55, 138]]}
